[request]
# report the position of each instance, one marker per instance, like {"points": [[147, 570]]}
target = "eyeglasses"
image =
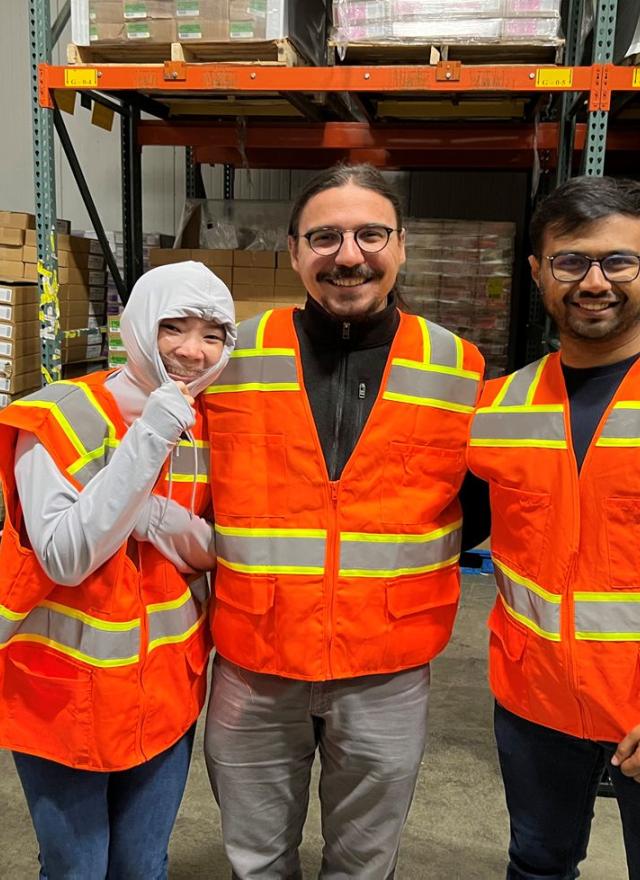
{"points": [[619, 268], [371, 239]]}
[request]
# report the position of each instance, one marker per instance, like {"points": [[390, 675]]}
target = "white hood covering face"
{"points": [[178, 290]]}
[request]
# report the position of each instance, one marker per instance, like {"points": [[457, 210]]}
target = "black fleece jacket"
{"points": [[342, 364]]}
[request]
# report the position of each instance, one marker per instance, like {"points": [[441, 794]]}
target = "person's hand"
{"points": [[627, 755], [185, 392]]}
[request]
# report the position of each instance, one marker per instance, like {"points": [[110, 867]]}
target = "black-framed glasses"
{"points": [[619, 268], [371, 238]]}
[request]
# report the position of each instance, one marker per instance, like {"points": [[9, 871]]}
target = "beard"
{"points": [[606, 326]]}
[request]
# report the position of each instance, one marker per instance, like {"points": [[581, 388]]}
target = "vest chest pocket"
{"points": [[249, 474], [622, 521], [519, 527], [418, 482]]}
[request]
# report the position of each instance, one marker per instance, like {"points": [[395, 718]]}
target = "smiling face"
{"points": [[188, 347], [597, 319], [349, 284]]}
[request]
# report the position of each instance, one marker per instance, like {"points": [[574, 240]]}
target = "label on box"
{"points": [[96, 278], [136, 31], [6, 348], [241, 30], [134, 10], [189, 31], [187, 9], [257, 8]]}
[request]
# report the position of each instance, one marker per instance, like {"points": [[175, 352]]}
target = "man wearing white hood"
{"points": [[103, 636]]}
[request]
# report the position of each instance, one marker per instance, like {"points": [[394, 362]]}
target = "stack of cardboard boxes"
{"points": [[19, 340], [258, 280]]}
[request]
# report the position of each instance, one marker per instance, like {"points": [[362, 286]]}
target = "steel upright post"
{"points": [[603, 43]]}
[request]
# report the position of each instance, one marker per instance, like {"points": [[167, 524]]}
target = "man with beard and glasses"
{"points": [[559, 443], [337, 438]]}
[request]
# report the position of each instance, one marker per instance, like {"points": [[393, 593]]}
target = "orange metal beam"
{"points": [[219, 77]]}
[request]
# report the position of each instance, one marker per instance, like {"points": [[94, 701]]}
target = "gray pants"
{"points": [[260, 742]]}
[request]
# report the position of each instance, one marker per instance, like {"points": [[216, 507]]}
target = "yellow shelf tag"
{"points": [[554, 77], [636, 78], [83, 78]]}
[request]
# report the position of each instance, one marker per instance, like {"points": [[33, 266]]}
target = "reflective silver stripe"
{"points": [[529, 603], [169, 624], [518, 389], [87, 639], [421, 384], [622, 425], [607, 617], [275, 550], [184, 463], [88, 426], [248, 332], [257, 369], [540, 425], [392, 555], [94, 465], [444, 348]]}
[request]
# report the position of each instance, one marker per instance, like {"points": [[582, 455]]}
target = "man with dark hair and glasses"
{"points": [[559, 443], [338, 441]]}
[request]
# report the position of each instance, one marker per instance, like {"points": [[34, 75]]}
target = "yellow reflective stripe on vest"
{"points": [[96, 642], [529, 603], [173, 622], [255, 368], [365, 554], [513, 421], [607, 617], [271, 551], [438, 380], [185, 462], [82, 420], [622, 427]]}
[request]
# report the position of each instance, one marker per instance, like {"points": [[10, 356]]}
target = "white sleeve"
{"points": [[187, 541], [72, 533]]}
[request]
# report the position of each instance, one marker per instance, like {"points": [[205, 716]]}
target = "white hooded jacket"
{"points": [[72, 533]]}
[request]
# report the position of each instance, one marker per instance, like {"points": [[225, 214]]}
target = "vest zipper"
{"points": [[144, 648], [337, 425], [333, 566]]}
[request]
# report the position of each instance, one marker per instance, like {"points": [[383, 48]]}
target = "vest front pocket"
{"points": [[418, 482], [249, 474], [49, 704], [519, 527], [622, 522]]}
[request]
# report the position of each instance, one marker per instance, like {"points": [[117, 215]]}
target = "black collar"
{"points": [[331, 332]]}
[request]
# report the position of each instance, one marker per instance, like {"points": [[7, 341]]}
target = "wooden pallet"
{"points": [[430, 53], [273, 52]]}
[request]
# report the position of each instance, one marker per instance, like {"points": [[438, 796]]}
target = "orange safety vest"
{"points": [[106, 674], [565, 630], [320, 580]]}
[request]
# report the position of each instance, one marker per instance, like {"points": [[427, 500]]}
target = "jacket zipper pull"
{"points": [[346, 330], [362, 390], [334, 491]]}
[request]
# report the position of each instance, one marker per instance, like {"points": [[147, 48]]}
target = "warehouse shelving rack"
{"points": [[341, 123]]}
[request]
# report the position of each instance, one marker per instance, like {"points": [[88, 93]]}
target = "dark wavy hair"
{"points": [[580, 201], [341, 174]]}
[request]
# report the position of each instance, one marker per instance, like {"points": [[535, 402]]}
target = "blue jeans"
{"points": [[92, 825], [551, 782]]}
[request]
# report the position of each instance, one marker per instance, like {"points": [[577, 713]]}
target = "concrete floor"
{"points": [[457, 829]]}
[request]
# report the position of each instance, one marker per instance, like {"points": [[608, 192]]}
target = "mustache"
{"points": [[346, 273]]}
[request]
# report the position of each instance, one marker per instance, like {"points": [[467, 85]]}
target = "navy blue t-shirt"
{"points": [[590, 391]]}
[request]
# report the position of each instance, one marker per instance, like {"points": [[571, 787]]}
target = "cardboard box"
{"points": [[11, 271], [260, 277], [30, 271], [213, 10], [19, 331], [22, 382], [19, 311], [13, 237], [13, 253], [20, 292], [147, 30], [81, 292], [66, 242], [253, 291], [248, 308], [67, 258], [83, 307], [283, 260], [164, 256], [16, 220], [202, 29], [219, 257], [254, 259], [134, 10], [26, 363], [288, 278], [13, 349]]}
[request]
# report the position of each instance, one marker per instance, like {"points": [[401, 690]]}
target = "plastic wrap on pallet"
{"points": [[466, 21], [206, 21]]}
